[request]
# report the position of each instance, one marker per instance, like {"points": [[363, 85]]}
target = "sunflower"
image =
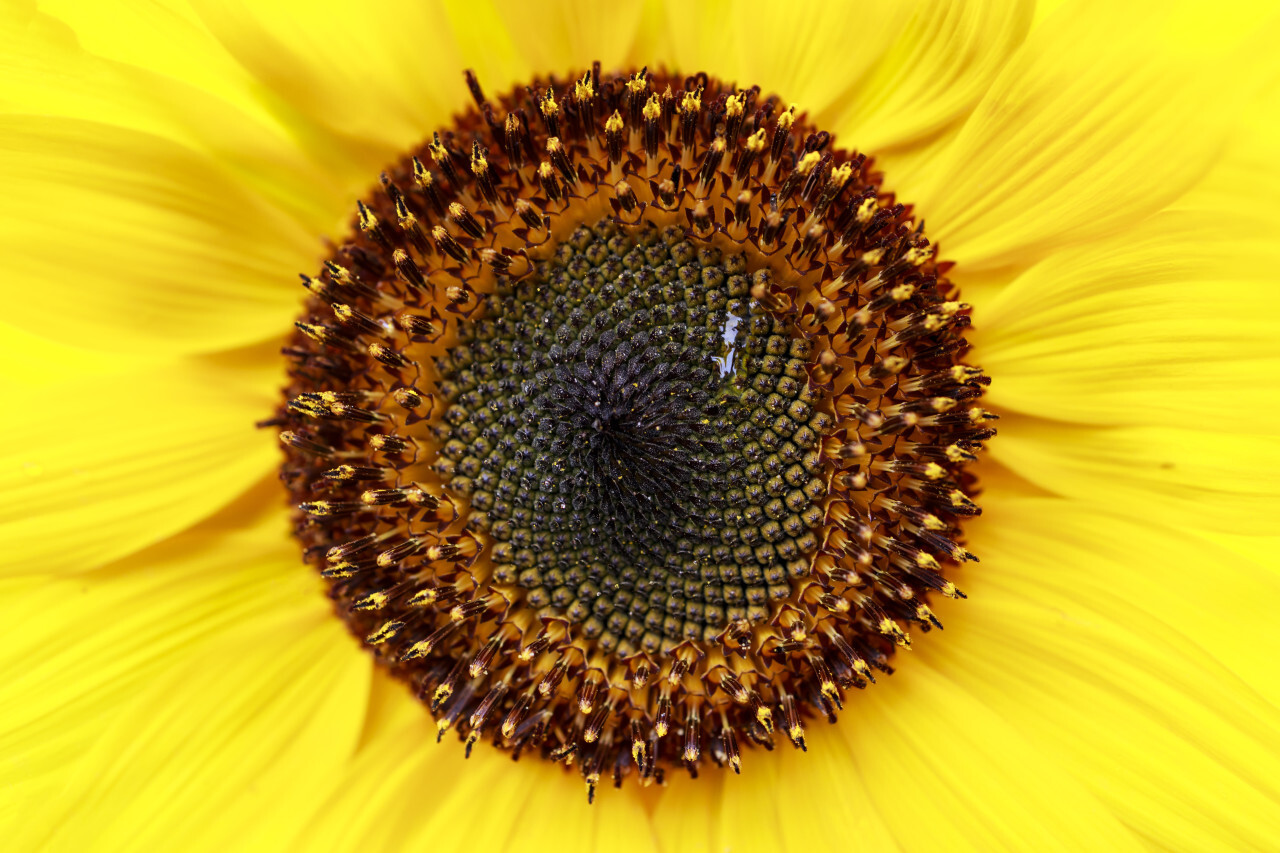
{"points": [[1079, 197]]}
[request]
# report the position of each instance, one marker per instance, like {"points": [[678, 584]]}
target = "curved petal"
{"points": [[802, 55], [201, 683], [145, 66], [685, 817], [405, 791], [932, 75], [374, 77], [135, 243], [1176, 476], [108, 466], [783, 800], [1106, 114], [950, 774], [1244, 183], [554, 38], [1128, 654], [916, 762], [1157, 325]]}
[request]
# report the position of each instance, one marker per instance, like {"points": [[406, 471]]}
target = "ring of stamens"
{"points": [[629, 426]]}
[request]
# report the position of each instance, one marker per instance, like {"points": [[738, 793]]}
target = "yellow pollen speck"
{"points": [[916, 257], [548, 104], [423, 598], [419, 649], [439, 153], [866, 210], [757, 141], [765, 717], [652, 108], [894, 364], [925, 560], [638, 82], [386, 632], [807, 162]]}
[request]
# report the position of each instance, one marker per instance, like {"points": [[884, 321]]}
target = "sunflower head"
{"points": [[629, 424]]}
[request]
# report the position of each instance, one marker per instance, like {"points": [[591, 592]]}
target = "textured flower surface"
{"points": [[1103, 178]]}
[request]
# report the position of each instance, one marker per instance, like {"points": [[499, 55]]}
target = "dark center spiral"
{"points": [[639, 437]]}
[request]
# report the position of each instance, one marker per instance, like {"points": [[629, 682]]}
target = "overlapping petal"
{"points": [[1134, 657], [111, 463], [406, 790], [931, 76], [1107, 113], [1175, 475], [133, 243], [1159, 324], [200, 684]]}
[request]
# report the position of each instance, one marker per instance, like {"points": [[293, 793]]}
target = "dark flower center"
{"points": [[629, 426]]}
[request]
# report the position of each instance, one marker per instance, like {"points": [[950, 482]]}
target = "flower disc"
{"points": [[629, 425]]}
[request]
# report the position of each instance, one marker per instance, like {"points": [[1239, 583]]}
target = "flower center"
{"points": [[632, 430], [638, 438]]}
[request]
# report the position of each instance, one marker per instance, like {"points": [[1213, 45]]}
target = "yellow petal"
{"points": [[803, 55], [1108, 112], [127, 242], [1244, 183], [783, 800], [1177, 476], [235, 747], [687, 819], [98, 468], [201, 681], [552, 38], [932, 75], [375, 77], [405, 791], [146, 66], [1159, 324], [1098, 640], [946, 772], [82, 646]]}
